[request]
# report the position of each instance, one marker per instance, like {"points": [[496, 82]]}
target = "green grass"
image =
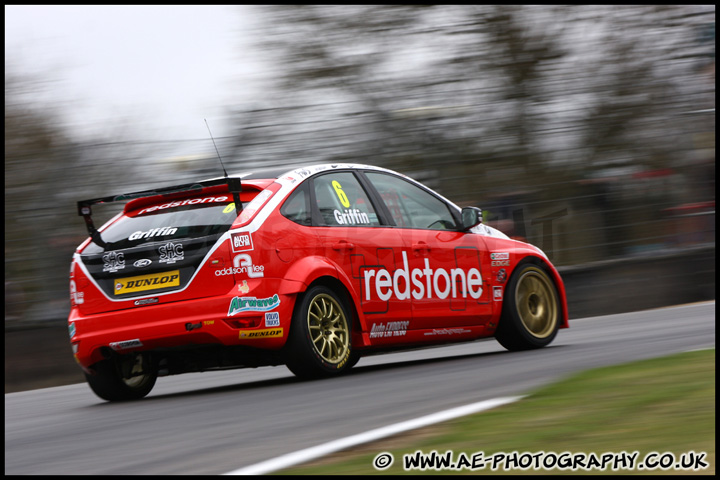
{"points": [[660, 405]]}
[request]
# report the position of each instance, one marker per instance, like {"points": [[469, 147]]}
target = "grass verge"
{"points": [[663, 406]]}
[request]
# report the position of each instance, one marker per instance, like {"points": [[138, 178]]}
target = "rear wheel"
{"points": [[319, 340], [531, 312], [128, 377]]}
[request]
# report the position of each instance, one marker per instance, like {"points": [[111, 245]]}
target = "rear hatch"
{"points": [[156, 248]]}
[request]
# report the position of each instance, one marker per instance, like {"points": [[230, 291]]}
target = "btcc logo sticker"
{"points": [[147, 282], [267, 333]]}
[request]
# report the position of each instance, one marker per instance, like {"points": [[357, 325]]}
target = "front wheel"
{"points": [[319, 340], [129, 377], [531, 312]]}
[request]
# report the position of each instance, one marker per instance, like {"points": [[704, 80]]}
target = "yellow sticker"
{"points": [[147, 282], [341, 194], [267, 333]]}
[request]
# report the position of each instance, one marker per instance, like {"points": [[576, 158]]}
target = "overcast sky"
{"points": [[160, 69]]}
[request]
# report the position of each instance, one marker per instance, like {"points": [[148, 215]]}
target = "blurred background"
{"points": [[588, 131]]}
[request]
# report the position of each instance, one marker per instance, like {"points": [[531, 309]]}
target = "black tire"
{"points": [[129, 377], [319, 343], [531, 310]]}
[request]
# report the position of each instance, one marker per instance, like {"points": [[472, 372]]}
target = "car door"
{"points": [[367, 249], [447, 267]]}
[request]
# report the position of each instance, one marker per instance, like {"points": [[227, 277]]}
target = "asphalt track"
{"points": [[219, 422]]}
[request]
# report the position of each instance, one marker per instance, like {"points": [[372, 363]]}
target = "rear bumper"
{"points": [[185, 324]]}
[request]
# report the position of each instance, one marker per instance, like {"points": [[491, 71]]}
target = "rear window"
{"points": [[170, 223]]}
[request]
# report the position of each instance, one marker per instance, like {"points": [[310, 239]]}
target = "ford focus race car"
{"points": [[310, 268]]}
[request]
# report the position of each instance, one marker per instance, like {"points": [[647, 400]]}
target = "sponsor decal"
{"points": [[341, 194], [113, 261], [134, 343], [155, 232], [267, 333], [171, 253], [501, 275], [351, 216], [244, 287], [500, 259], [192, 201], [142, 263], [389, 329], [242, 263], [71, 329], [422, 282], [147, 282], [146, 301], [252, 304], [241, 242], [76, 297], [497, 293], [272, 319], [447, 331]]}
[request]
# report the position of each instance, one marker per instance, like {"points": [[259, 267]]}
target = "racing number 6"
{"points": [[341, 195]]}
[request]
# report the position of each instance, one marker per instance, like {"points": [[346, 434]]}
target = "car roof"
{"points": [[275, 172]]}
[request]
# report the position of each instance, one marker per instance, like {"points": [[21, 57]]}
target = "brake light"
{"points": [[255, 205]]}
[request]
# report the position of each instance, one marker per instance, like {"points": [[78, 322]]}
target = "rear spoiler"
{"points": [[85, 210]]}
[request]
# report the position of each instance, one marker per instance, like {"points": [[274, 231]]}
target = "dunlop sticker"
{"points": [[147, 282], [266, 333]]}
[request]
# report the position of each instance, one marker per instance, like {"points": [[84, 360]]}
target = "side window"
{"points": [[343, 202], [297, 206], [410, 205]]}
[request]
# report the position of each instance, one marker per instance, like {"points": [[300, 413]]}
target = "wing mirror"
{"points": [[471, 216]]}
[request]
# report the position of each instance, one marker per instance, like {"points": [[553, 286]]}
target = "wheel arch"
{"points": [[341, 289], [554, 277]]}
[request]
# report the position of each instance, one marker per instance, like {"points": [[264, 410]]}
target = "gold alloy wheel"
{"points": [[537, 303], [328, 328]]}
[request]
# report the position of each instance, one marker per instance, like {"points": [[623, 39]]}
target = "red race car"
{"points": [[310, 268]]}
